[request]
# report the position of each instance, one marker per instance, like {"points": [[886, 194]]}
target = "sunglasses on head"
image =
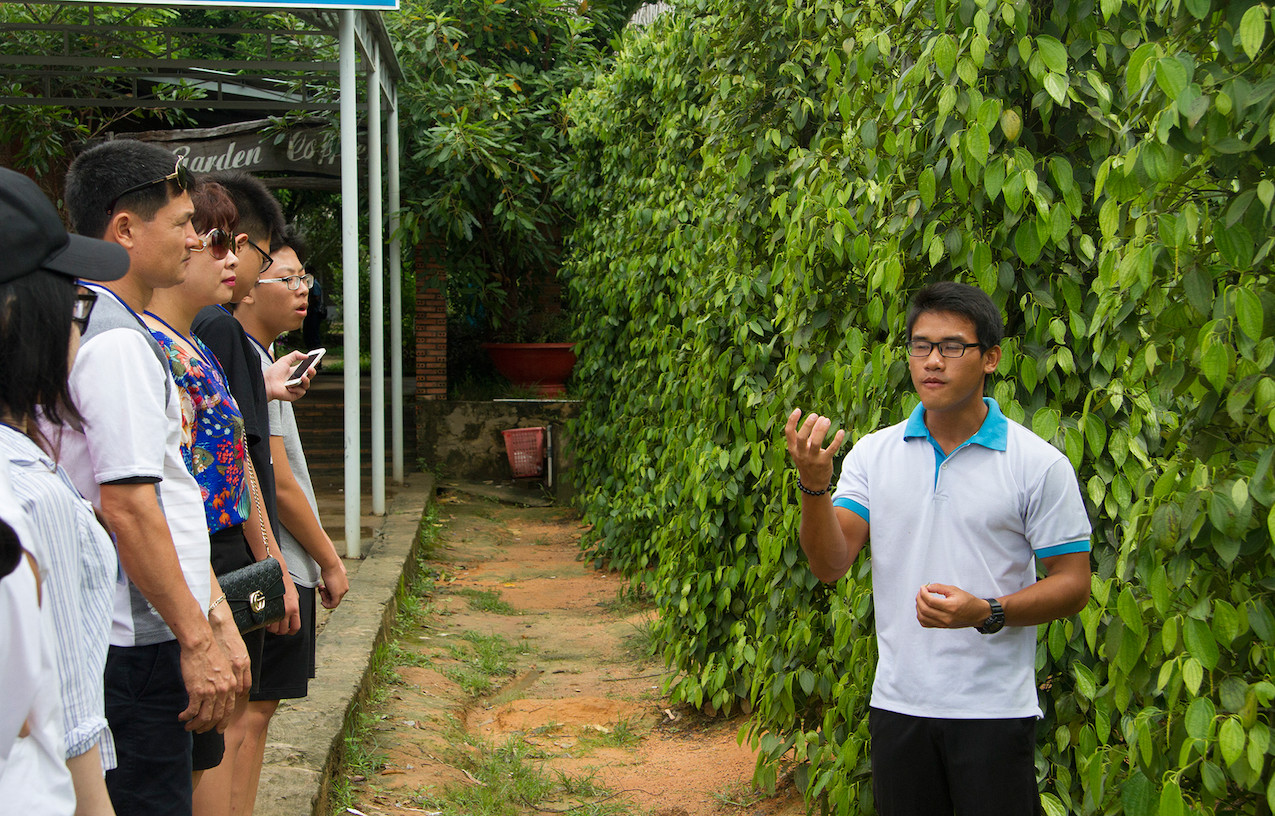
{"points": [[217, 241], [180, 175]]}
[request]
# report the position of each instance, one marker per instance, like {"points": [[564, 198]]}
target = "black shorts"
{"points": [[144, 694], [923, 766], [288, 661]]}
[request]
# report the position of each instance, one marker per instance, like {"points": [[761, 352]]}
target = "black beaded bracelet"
{"points": [[810, 492]]}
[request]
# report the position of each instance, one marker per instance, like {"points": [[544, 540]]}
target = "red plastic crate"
{"points": [[526, 450]]}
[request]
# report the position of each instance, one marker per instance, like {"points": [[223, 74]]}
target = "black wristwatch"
{"points": [[996, 621]]}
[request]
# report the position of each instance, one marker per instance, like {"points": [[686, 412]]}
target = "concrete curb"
{"points": [[305, 741]]}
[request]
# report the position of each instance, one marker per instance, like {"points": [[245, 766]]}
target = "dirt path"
{"points": [[574, 694]]}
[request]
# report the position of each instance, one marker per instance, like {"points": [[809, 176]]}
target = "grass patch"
{"points": [[645, 640], [514, 781], [621, 735], [480, 659], [629, 600], [739, 795], [487, 600], [361, 760]]}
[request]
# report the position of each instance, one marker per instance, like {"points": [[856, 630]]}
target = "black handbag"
{"points": [[254, 594]]}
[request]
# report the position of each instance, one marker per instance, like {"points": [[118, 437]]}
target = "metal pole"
{"points": [[350, 283], [376, 277], [396, 298]]}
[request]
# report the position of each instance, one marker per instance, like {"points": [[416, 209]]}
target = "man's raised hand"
{"points": [[805, 446]]}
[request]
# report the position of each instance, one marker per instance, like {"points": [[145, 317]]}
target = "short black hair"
{"points": [[35, 337], [293, 238], [101, 173], [260, 215], [964, 300]]}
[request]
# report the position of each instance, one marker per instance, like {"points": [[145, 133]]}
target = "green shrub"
{"points": [[760, 187]]}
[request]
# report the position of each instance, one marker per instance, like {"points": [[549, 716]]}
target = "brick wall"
{"points": [[431, 323]]}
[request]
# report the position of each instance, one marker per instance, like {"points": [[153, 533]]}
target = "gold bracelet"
{"points": [[215, 604]]}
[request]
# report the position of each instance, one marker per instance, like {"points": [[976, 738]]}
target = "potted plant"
{"points": [[529, 345]]}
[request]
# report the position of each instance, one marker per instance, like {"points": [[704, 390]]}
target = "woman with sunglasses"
{"points": [[215, 445], [43, 313]]}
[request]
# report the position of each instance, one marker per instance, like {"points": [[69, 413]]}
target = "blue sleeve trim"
{"points": [[1064, 549], [854, 507]]}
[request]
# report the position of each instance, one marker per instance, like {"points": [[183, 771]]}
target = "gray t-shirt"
{"points": [[283, 422]]}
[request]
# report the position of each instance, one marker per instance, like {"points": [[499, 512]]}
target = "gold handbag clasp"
{"points": [[257, 601]]}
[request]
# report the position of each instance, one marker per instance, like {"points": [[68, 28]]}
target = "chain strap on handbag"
{"points": [[255, 592]]}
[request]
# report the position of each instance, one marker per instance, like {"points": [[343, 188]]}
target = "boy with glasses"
{"points": [[961, 505], [275, 306], [173, 666]]}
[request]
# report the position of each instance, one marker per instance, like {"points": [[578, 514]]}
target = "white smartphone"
{"points": [[312, 359]]}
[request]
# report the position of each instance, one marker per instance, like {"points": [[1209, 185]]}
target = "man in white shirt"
{"points": [[174, 665], [961, 504]]}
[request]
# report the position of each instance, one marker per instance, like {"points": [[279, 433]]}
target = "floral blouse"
{"points": [[212, 432]]}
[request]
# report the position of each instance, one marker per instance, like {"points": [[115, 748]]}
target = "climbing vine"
{"points": [[760, 187]]}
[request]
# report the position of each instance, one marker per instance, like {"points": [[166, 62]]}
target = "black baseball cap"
{"points": [[32, 237]]}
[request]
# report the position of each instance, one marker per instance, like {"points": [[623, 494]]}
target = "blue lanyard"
{"points": [[103, 290], [200, 351], [258, 344]]}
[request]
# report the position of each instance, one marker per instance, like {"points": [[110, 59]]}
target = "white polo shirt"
{"points": [[976, 519], [133, 431]]}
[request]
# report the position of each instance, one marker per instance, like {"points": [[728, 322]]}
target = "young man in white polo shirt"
{"points": [[961, 505]]}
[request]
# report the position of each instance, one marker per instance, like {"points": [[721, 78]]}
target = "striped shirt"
{"points": [[79, 567]]}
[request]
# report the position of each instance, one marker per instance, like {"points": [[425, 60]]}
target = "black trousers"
{"points": [[923, 766]]}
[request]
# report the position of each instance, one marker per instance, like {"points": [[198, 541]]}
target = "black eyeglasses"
{"points": [[948, 348], [217, 241], [294, 281], [266, 260], [181, 175], [82, 308]]}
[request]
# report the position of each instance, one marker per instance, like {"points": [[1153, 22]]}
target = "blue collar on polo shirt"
{"points": [[992, 434]]}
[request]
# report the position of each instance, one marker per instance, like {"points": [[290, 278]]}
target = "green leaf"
{"points": [[1199, 717], [1056, 85], [1199, 8], [1045, 422], [1200, 642], [994, 177], [1248, 313], [1138, 795], [1052, 805], [1192, 675], [1053, 53], [1027, 241], [1110, 7], [1155, 162], [1231, 739], [1109, 218], [926, 187], [807, 680], [978, 142], [1086, 686], [1253, 29], [1171, 801], [1235, 244], [1171, 76], [1215, 364], [944, 54]]}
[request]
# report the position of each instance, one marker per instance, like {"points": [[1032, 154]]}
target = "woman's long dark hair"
{"points": [[35, 336]]}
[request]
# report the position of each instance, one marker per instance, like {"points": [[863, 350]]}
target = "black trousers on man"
{"points": [[922, 766]]}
